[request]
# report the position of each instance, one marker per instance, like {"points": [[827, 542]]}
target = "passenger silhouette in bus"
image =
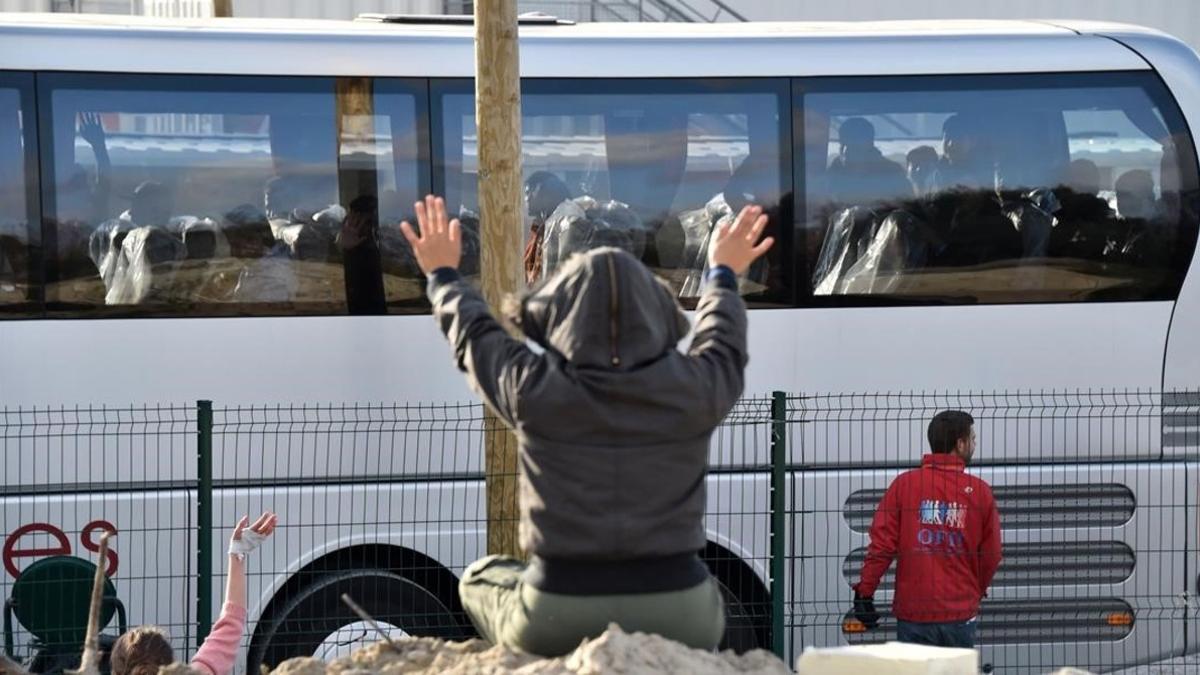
{"points": [[1085, 220], [1141, 237], [151, 203], [921, 164], [544, 191], [82, 197], [1083, 177], [613, 425], [82, 202], [1135, 195], [860, 174], [966, 157]]}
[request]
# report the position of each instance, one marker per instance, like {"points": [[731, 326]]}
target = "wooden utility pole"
{"points": [[498, 120], [223, 8]]}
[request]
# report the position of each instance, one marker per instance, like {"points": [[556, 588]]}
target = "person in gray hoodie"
{"points": [[613, 424]]}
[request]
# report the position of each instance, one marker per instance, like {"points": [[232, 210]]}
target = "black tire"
{"points": [[303, 623], [745, 629]]}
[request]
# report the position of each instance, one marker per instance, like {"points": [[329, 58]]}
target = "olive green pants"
{"points": [[509, 612]]}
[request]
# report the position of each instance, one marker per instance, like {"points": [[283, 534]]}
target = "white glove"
{"points": [[250, 540]]}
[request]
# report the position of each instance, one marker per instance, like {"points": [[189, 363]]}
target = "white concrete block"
{"points": [[894, 658]]}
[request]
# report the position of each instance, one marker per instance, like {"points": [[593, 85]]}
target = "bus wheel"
{"points": [[317, 623]]}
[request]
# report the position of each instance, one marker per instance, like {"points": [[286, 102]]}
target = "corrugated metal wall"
{"points": [[1177, 17]]}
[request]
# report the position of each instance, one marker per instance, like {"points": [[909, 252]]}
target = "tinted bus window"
{"points": [[189, 195], [19, 239], [996, 189], [649, 166], [401, 168]]}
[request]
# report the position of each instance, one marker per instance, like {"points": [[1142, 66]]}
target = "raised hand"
{"points": [[440, 241], [247, 537], [91, 129], [736, 245]]}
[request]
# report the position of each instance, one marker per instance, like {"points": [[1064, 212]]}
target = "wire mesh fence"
{"points": [[69, 475], [389, 504], [383, 503], [1093, 492]]}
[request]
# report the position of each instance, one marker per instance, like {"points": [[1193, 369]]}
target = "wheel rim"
{"points": [[353, 636]]}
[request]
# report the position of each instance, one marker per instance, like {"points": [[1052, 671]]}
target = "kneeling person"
{"points": [[613, 424]]}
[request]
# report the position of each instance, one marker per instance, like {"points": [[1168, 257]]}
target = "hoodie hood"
{"points": [[604, 309]]}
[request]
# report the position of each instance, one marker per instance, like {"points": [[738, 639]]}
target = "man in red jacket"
{"points": [[941, 526]]}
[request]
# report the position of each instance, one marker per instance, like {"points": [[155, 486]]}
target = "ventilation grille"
{"points": [[1181, 419], [1037, 564], [1028, 507]]}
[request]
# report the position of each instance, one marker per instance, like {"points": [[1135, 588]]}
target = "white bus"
{"points": [[207, 210]]}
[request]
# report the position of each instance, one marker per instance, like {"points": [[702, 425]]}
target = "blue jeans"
{"points": [[953, 634]]}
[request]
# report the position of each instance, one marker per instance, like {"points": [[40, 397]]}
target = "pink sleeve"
{"points": [[217, 654]]}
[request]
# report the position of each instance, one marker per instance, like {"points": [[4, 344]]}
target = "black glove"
{"points": [[864, 611]]}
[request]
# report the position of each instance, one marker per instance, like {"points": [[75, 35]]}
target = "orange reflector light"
{"points": [[853, 626], [1119, 618]]}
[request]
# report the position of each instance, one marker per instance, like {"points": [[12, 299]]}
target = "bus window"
{"points": [[649, 166], [996, 189], [196, 195], [18, 242], [400, 161]]}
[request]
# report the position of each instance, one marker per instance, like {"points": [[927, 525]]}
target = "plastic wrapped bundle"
{"points": [[104, 246], [851, 231], [146, 263], [202, 237], [698, 226], [902, 243], [310, 236], [582, 224]]}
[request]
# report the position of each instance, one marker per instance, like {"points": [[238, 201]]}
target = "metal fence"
{"points": [[1095, 492]]}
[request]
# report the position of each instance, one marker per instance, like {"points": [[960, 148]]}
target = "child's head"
{"points": [[142, 651]]}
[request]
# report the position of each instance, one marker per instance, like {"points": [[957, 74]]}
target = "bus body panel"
{"points": [[1158, 490], [330, 48]]}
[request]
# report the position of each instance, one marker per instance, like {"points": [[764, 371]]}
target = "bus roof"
{"points": [[115, 43]]}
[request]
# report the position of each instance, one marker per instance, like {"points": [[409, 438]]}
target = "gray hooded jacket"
{"points": [[613, 421]]}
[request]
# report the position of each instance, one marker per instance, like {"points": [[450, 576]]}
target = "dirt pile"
{"points": [[615, 651]]}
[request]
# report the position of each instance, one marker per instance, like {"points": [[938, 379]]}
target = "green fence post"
{"points": [[204, 509], [778, 517]]}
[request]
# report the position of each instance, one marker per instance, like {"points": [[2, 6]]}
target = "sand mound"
{"points": [[615, 651]]}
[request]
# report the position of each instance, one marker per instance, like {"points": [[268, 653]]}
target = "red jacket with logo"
{"points": [[941, 526]]}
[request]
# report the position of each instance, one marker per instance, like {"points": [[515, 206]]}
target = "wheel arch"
{"points": [[406, 562]]}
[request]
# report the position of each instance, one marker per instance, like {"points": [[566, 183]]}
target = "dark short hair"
{"points": [[856, 130], [947, 428]]}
